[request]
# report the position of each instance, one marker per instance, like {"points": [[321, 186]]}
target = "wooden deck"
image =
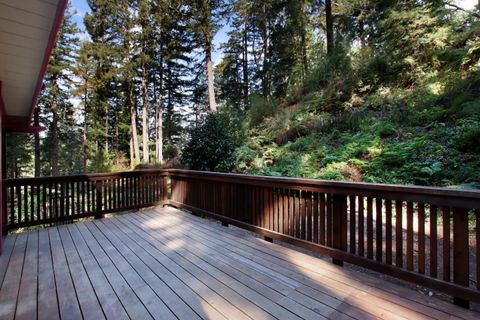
{"points": [[166, 264]]}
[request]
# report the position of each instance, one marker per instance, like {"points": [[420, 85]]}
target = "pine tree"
{"points": [[206, 23], [57, 110]]}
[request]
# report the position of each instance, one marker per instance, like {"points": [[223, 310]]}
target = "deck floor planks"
{"points": [[166, 264], [227, 276], [251, 254], [281, 291], [324, 295], [87, 298], [250, 277], [197, 302], [47, 300], [394, 293], [11, 282], [8, 244], [27, 294], [111, 305], [174, 302], [127, 296], [67, 296], [186, 272], [144, 292]]}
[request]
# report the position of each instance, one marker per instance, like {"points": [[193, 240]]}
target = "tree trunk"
{"points": [[245, 66], [265, 45], [211, 89], [303, 38], [106, 130], [36, 122], [54, 150], [135, 155], [159, 117], [85, 130], [329, 23], [146, 154]]}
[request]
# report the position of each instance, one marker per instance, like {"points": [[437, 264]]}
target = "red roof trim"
{"points": [[57, 24]]}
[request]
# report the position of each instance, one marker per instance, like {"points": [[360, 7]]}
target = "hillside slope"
{"points": [[428, 134]]}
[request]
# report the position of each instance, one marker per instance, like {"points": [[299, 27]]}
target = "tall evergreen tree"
{"points": [[57, 110]]}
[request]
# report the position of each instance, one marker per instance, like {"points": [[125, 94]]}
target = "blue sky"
{"points": [[81, 7]]}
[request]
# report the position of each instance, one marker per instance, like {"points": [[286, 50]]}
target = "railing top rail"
{"points": [[83, 177], [436, 195], [467, 198]]}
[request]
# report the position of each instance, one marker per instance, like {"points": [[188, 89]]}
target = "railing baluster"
{"points": [[379, 229], [388, 232], [433, 241], [410, 235], [369, 228], [421, 238], [309, 215], [461, 267], [446, 243], [329, 220], [361, 226], [322, 218], [398, 233], [315, 216], [477, 246], [352, 222]]}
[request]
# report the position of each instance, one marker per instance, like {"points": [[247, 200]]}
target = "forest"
{"points": [[359, 90]]}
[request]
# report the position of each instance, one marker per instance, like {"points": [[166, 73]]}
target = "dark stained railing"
{"points": [[43, 201], [417, 234], [427, 236]]}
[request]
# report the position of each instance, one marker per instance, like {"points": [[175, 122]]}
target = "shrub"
{"points": [[261, 109], [170, 151], [211, 145], [385, 129], [467, 138]]}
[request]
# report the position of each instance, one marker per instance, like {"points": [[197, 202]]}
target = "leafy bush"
{"points": [[101, 163], [467, 138], [261, 109], [385, 129], [212, 145], [170, 151]]}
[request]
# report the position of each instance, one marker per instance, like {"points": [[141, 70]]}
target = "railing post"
{"points": [[339, 225], [99, 199], [460, 252], [4, 208]]}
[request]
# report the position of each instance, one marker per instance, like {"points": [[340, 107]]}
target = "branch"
{"points": [[458, 8]]}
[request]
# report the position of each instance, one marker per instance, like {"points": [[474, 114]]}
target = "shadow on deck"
{"points": [[167, 264]]}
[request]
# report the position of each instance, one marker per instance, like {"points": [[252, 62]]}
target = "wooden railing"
{"points": [[43, 201], [428, 236], [417, 234]]}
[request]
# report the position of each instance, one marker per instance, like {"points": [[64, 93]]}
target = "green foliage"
{"points": [[100, 163], [170, 151], [385, 129], [211, 145], [467, 138], [261, 109]]}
